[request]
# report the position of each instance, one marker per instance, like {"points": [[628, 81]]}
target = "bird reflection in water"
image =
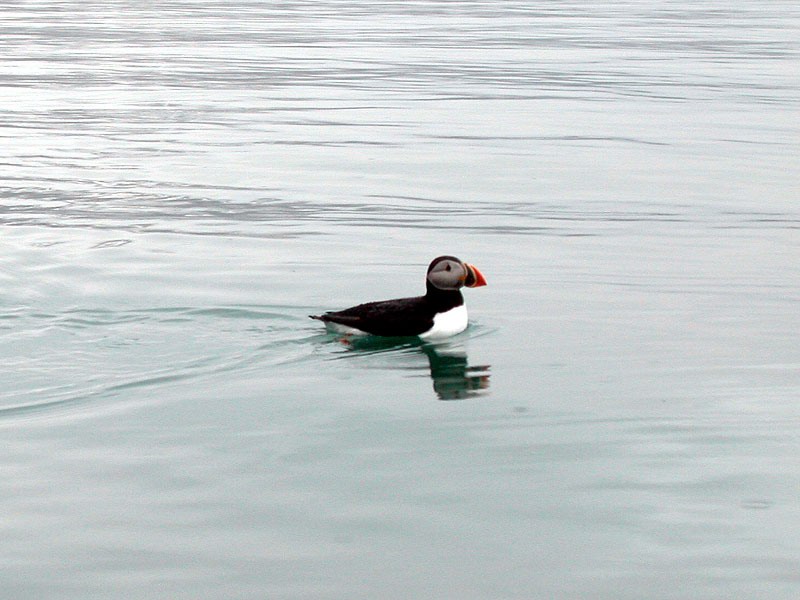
{"points": [[452, 376]]}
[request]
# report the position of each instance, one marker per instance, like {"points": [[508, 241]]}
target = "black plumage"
{"points": [[400, 317]]}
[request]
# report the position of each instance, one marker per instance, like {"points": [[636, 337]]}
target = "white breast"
{"points": [[447, 323]]}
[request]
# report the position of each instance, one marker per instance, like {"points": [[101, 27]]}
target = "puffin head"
{"points": [[450, 273]]}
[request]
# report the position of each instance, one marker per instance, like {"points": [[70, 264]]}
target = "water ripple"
{"points": [[97, 356]]}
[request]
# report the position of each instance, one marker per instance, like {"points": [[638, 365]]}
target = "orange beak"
{"points": [[474, 277]]}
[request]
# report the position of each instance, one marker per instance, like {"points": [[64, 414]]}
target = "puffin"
{"points": [[439, 314]]}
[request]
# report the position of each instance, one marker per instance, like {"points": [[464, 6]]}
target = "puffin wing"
{"points": [[402, 317]]}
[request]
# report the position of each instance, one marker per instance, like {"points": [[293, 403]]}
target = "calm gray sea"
{"points": [[183, 182]]}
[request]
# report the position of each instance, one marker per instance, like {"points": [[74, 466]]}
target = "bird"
{"points": [[439, 314]]}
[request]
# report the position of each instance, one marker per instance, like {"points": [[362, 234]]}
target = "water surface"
{"points": [[181, 184]]}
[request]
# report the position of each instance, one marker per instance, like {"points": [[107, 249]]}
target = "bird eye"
{"points": [[447, 268]]}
